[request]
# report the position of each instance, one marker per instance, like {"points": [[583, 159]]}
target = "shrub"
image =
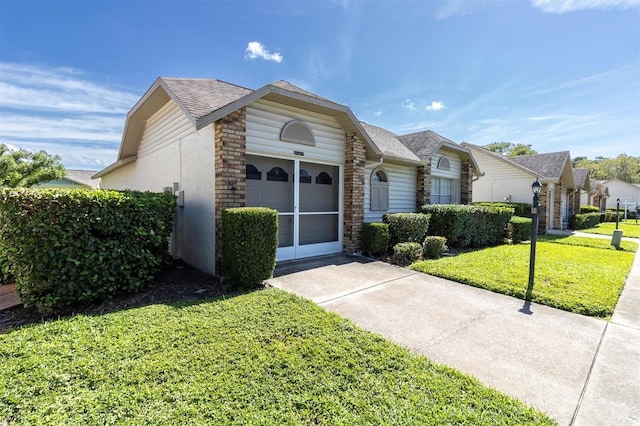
{"points": [[406, 227], [5, 269], [249, 245], [519, 229], [67, 246], [433, 247], [610, 216], [406, 253], [584, 221], [519, 209], [468, 225], [589, 209], [375, 238]]}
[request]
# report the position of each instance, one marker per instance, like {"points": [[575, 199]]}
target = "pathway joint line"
{"points": [[586, 383], [366, 288]]}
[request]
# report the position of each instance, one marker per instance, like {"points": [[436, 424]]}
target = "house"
{"points": [[510, 179], [626, 192], [77, 179], [219, 145], [597, 195]]}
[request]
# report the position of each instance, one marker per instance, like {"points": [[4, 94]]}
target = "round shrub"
{"points": [[433, 247], [406, 227], [519, 229], [406, 253], [375, 238]]}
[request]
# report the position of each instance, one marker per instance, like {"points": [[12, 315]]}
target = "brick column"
{"points": [[353, 192], [466, 183], [542, 209], [423, 192], [557, 207], [230, 173]]}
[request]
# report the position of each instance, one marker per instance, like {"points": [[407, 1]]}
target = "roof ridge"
{"points": [[206, 79]]}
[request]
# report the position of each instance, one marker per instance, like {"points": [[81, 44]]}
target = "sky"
{"points": [[556, 74]]}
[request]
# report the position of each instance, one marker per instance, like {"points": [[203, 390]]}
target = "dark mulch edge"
{"points": [[176, 282]]}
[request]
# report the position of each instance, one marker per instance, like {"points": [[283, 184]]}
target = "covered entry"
{"points": [[307, 197]]}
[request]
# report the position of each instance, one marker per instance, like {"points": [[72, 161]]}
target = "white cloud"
{"points": [[377, 113], [408, 104], [564, 6], [436, 106], [255, 50]]}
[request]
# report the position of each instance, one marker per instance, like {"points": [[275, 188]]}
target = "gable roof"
{"points": [[82, 177], [388, 143], [549, 168], [426, 143], [581, 179]]}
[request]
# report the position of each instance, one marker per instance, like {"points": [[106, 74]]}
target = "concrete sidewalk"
{"points": [[577, 369]]}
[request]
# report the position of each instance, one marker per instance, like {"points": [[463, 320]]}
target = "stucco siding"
{"points": [[402, 190], [163, 128], [265, 120], [501, 182]]}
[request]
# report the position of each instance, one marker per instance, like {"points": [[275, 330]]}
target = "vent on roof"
{"points": [[297, 131]]}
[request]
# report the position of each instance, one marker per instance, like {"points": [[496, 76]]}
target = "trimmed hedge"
{"points": [[610, 216], [406, 227], [519, 209], [584, 221], [519, 229], [589, 209], [249, 245], [68, 246], [406, 253], [433, 247], [468, 225], [375, 238]]}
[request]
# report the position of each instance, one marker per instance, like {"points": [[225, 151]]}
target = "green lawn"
{"points": [[583, 280], [629, 228], [261, 358], [602, 243]]}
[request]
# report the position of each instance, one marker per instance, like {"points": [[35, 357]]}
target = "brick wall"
{"points": [[557, 207], [423, 192], [466, 183], [542, 209], [230, 173], [353, 192]]}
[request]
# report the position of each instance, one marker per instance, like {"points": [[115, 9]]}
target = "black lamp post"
{"points": [[536, 187], [617, 212]]}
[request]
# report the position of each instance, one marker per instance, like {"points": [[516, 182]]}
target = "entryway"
{"points": [[307, 197]]}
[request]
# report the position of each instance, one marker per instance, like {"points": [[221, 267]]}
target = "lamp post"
{"points": [[535, 187], [617, 212]]}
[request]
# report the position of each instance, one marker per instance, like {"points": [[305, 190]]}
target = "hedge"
{"points": [[433, 247], [406, 253], [519, 209], [519, 229], [406, 227], [375, 238], [584, 221], [68, 246], [468, 225], [249, 245], [589, 209]]}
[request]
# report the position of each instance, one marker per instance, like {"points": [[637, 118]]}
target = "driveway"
{"points": [[558, 362]]}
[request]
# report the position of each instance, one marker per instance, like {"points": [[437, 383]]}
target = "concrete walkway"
{"points": [[579, 370]]}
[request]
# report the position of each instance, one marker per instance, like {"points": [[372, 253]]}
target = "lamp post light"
{"points": [[535, 187], [617, 212]]}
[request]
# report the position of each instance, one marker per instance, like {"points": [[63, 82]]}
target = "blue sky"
{"points": [[556, 74]]}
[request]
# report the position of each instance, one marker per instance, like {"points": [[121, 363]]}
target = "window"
{"points": [[441, 191], [323, 179], [253, 173], [443, 163], [297, 131], [278, 174], [305, 177], [379, 190]]}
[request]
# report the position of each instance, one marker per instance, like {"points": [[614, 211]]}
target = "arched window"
{"points": [[379, 190], [253, 173], [305, 177], [278, 174], [323, 179], [297, 131], [443, 164]]}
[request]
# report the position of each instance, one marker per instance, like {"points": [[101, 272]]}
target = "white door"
{"points": [[309, 207]]}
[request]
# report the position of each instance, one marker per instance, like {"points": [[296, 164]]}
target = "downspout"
{"points": [[481, 174]]}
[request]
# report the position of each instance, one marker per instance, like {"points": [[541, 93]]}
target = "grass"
{"points": [[629, 228], [601, 243], [261, 358], [584, 280]]}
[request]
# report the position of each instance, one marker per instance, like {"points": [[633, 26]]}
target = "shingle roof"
{"points": [[424, 144], [549, 165], [388, 142], [203, 95], [283, 84], [82, 177], [580, 177]]}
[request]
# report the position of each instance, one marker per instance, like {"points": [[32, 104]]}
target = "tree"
{"points": [[26, 168], [510, 149], [624, 167]]}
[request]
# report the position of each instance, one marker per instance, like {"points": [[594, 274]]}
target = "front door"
{"points": [[307, 198]]}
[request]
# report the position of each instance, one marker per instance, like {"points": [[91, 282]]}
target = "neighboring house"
{"points": [[510, 179], [220, 145], [79, 179], [596, 196], [626, 192]]}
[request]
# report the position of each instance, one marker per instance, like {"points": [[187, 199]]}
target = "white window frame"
{"points": [[376, 187]]}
